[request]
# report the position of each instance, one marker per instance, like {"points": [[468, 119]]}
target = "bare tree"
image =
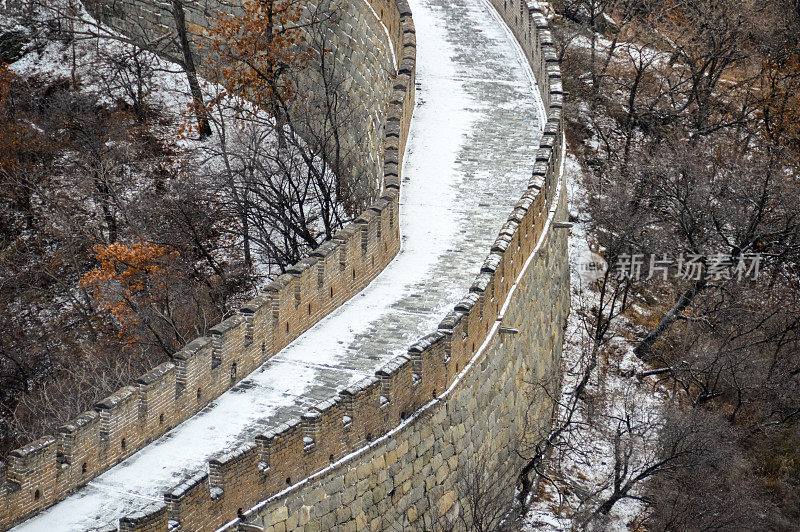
{"points": [[485, 495], [280, 153], [683, 125]]}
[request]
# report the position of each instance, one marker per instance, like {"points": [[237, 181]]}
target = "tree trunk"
{"points": [[606, 507], [248, 258], [643, 349], [203, 126]]}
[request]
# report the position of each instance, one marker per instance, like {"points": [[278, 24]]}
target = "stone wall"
{"points": [[409, 479], [386, 452], [46, 471], [465, 395]]}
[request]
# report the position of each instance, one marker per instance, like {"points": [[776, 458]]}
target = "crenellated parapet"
{"points": [[48, 470], [386, 450], [465, 393]]}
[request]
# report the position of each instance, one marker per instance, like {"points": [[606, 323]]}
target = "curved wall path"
{"points": [[470, 152]]}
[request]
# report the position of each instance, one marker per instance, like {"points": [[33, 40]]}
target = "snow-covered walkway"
{"points": [[470, 155]]}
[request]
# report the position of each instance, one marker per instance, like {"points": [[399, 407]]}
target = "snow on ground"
{"points": [[476, 120], [166, 85], [590, 468], [624, 53], [238, 126]]}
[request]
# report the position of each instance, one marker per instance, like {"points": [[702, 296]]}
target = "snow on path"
{"points": [[469, 157]]}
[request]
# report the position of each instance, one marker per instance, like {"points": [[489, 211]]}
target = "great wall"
{"points": [[383, 451]]}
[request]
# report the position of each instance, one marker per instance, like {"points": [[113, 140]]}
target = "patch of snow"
{"points": [[592, 468]]}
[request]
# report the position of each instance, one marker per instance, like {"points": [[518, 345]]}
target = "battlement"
{"points": [[318, 444], [48, 470], [321, 444]]}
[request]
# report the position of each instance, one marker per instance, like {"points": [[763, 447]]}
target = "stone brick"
{"points": [[446, 502], [305, 515], [343, 514]]}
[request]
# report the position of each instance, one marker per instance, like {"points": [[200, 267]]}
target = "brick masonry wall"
{"points": [[472, 389], [385, 452], [408, 479], [48, 470]]}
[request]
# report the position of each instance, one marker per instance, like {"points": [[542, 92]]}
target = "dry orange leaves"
{"points": [[129, 276], [252, 52]]}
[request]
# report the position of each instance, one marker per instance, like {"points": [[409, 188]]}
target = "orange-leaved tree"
{"points": [[255, 53], [135, 283]]}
